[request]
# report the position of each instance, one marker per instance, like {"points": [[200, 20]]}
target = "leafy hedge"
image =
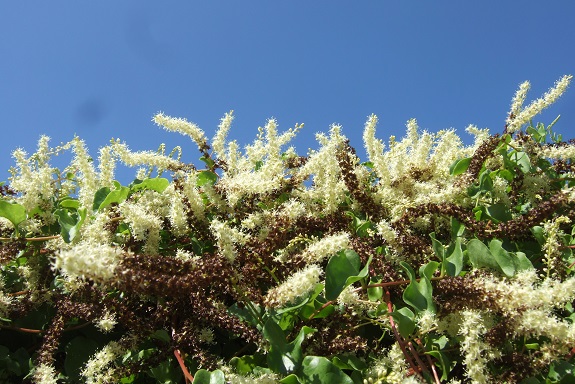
{"points": [[432, 261]]}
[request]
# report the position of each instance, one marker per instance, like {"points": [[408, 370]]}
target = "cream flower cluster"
{"points": [[322, 165], [261, 171], [525, 290], [149, 158], [520, 116], [531, 303], [182, 126], [145, 218], [294, 287], [323, 248], [106, 322], [226, 237], [474, 350], [100, 369], [33, 177], [414, 170], [87, 260], [45, 374]]}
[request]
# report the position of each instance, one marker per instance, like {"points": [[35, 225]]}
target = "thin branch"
{"points": [[43, 238], [187, 374], [398, 337]]}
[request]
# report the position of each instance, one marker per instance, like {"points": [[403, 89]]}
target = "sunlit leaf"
{"points": [[14, 212]]}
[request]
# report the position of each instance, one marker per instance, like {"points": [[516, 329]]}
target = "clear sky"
{"points": [[102, 69]]}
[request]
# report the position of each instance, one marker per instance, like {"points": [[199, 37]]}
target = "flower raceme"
{"points": [[432, 261]]}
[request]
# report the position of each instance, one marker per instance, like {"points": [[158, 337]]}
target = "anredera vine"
{"points": [[432, 261]]}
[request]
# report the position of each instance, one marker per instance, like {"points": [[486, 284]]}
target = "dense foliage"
{"points": [[432, 261]]}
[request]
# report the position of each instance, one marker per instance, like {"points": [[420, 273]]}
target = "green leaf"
{"points": [[375, 293], [208, 161], [454, 260], [245, 315], [204, 377], [502, 257], [78, 351], [405, 320], [522, 161], [69, 203], [349, 361], [116, 196], [445, 363], [14, 212], [418, 294], [562, 372], [70, 222], [437, 247], [158, 184], [480, 256], [99, 197], [498, 212], [319, 370], [343, 270], [496, 257], [485, 181], [284, 357], [206, 177], [246, 364], [521, 262], [459, 166], [312, 307], [457, 228], [162, 335], [291, 379], [539, 234]]}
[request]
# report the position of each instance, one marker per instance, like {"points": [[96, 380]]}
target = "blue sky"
{"points": [[102, 69]]}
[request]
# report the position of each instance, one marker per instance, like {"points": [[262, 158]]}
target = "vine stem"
{"points": [[43, 238], [394, 283], [398, 337], [38, 331], [435, 375], [377, 285], [188, 376]]}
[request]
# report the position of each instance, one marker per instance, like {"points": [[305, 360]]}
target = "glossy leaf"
{"points": [[208, 161], [158, 184], [498, 212], [290, 379], [204, 377], [284, 357], [405, 321], [99, 197], [343, 270], [444, 362], [69, 203], [70, 222], [502, 257], [459, 166], [418, 294], [14, 212], [246, 364], [480, 256], [375, 293], [496, 257], [116, 196], [438, 248], [319, 370], [78, 351], [454, 260], [206, 177], [349, 361], [522, 161], [485, 181]]}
